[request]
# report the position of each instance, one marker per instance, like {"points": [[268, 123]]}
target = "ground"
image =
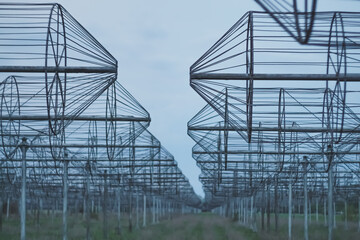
{"points": [[205, 226]]}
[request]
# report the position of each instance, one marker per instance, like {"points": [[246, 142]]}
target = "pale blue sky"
{"points": [[155, 42]]}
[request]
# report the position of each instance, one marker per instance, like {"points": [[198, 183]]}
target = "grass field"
{"points": [[205, 226]]}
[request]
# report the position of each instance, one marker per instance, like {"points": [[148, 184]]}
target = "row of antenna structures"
{"points": [[282, 112], [70, 132]]}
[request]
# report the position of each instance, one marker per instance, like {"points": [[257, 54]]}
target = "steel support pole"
{"points": [[252, 222], [144, 212], [330, 204], [8, 208], [105, 224], [130, 211], [87, 204], [325, 215], [24, 147], [1, 213], [290, 210], [317, 210], [306, 231], [137, 209], [245, 210], [119, 211], [309, 207], [239, 210], [276, 205], [359, 215], [65, 200], [334, 213], [263, 203], [153, 210], [268, 210]]}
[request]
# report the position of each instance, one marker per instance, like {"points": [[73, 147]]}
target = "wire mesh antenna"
{"points": [[299, 23], [257, 49], [45, 38], [62, 67], [289, 123], [272, 101]]}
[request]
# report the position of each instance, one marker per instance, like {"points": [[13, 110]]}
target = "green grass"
{"points": [[188, 227]]}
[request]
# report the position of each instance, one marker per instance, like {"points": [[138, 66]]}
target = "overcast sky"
{"points": [[155, 42]]}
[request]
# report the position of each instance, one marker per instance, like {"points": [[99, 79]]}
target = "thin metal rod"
{"points": [[303, 77], [85, 146], [330, 204], [290, 209], [105, 224], [87, 205], [272, 153], [272, 129], [73, 118], [144, 212], [359, 215], [65, 200], [306, 226], [153, 210], [23, 190], [137, 209], [57, 69], [119, 211]]}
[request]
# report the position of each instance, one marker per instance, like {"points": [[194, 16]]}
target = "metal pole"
{"points": [[144, 212], [8, 208], [24, 147], [334, 214], [309, 207], [137, 209], [244, 209], [263, 202], [330, 204], [119, 211], [1, 213], [290, 209], [239, 210], [317, 210], [130, 211], [87, 204], [105, 228], [306, 232], [276, 206], [325, 216], [252, 213], [153, 210], [268, 210], [65, 196], [359, 214]]}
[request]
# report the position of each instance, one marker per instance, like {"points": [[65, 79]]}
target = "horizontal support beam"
{"points": [[85, 146], [273, 129], [97, 160], [270, 162], [282, 77], [74, 118], [275, 152], [54, 69]]}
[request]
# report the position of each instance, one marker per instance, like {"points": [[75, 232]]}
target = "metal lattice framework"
{"points": [[282, 116], [70, 132]]}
